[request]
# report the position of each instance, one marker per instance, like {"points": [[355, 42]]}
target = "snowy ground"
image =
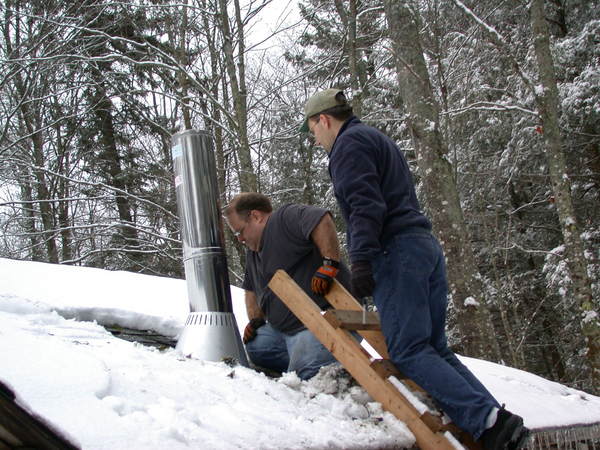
{"points": [[106, 393]]}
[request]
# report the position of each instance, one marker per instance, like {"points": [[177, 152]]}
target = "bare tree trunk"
{"points": [[43, 195], [548, 106], [110, 159], [182, 60], [349, 19], [29, 216], [63, 194], [473, 319], [215, 110], [215, 80], [31, 120], [237, 82]]}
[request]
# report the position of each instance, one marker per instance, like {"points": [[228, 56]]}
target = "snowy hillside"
{"points": [[106, 393]]}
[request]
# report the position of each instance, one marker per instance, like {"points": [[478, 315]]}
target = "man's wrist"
{"points": [[327, 261], [257, 322]]}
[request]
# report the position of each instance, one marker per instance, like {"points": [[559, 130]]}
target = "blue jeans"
{"points": [[411, 297], [301, 352]]}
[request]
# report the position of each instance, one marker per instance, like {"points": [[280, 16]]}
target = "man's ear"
{"points": [[326, 120], [256, 214], [261, 216]]}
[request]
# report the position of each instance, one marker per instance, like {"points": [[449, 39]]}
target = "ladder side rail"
{"points": [[349, 352]]}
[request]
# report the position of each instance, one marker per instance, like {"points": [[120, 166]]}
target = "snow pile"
{"points": [[110, 298]]}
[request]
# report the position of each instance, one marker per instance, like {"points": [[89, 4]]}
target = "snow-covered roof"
{"points": [[102, 392]]}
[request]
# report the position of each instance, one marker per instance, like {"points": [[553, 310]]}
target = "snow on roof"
{"points": [[103, 392]]}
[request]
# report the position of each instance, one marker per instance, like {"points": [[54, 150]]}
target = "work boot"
{"points": [[508, 433]]}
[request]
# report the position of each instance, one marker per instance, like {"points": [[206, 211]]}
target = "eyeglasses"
{"points": [[312, 130], [239, 232]]}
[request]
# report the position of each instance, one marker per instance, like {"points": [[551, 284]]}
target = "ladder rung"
{"points": [[352, 320], [436, 424], [385, 368]]}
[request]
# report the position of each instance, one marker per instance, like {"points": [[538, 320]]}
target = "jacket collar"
{"points": [[347, 124]]}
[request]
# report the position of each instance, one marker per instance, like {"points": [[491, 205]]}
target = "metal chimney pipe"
{"points": [[210, 331]]}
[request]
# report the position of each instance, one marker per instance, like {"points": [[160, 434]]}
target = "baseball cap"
{"points": [[319, 102]]}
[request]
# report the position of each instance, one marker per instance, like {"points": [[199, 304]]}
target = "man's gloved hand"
{"points": [[362, 280], [250, 330], [323, 277]]}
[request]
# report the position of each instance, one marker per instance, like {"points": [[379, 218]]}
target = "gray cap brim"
{"points": [[304, 127], [321, 101]]}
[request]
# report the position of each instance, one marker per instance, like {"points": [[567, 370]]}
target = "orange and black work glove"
{"points": [[323, 277], [250, 330]]}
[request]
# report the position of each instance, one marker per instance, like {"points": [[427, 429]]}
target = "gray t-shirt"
{"points": [[286, 244]]}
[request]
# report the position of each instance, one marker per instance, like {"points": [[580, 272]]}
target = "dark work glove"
{"points": [[362, 280], [323, 278], [250, 330]]}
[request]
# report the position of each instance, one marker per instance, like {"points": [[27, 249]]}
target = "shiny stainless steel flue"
{"points": [[210, 331]]}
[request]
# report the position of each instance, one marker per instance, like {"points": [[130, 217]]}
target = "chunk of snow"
{"points": [[470, 301]]}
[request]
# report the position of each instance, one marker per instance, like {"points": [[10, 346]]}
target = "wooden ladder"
{"points": [[333, 327]]}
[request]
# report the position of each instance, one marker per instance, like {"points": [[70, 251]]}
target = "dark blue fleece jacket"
{"points": [[374, 188]]}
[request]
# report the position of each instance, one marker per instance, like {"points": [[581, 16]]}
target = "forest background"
{"points": [[496, 105]]}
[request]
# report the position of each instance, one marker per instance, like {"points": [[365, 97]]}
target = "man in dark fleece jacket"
{"points": [[396, 259]]}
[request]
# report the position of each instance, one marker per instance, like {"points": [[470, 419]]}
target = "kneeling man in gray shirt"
{"points": [[301, 240]]}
